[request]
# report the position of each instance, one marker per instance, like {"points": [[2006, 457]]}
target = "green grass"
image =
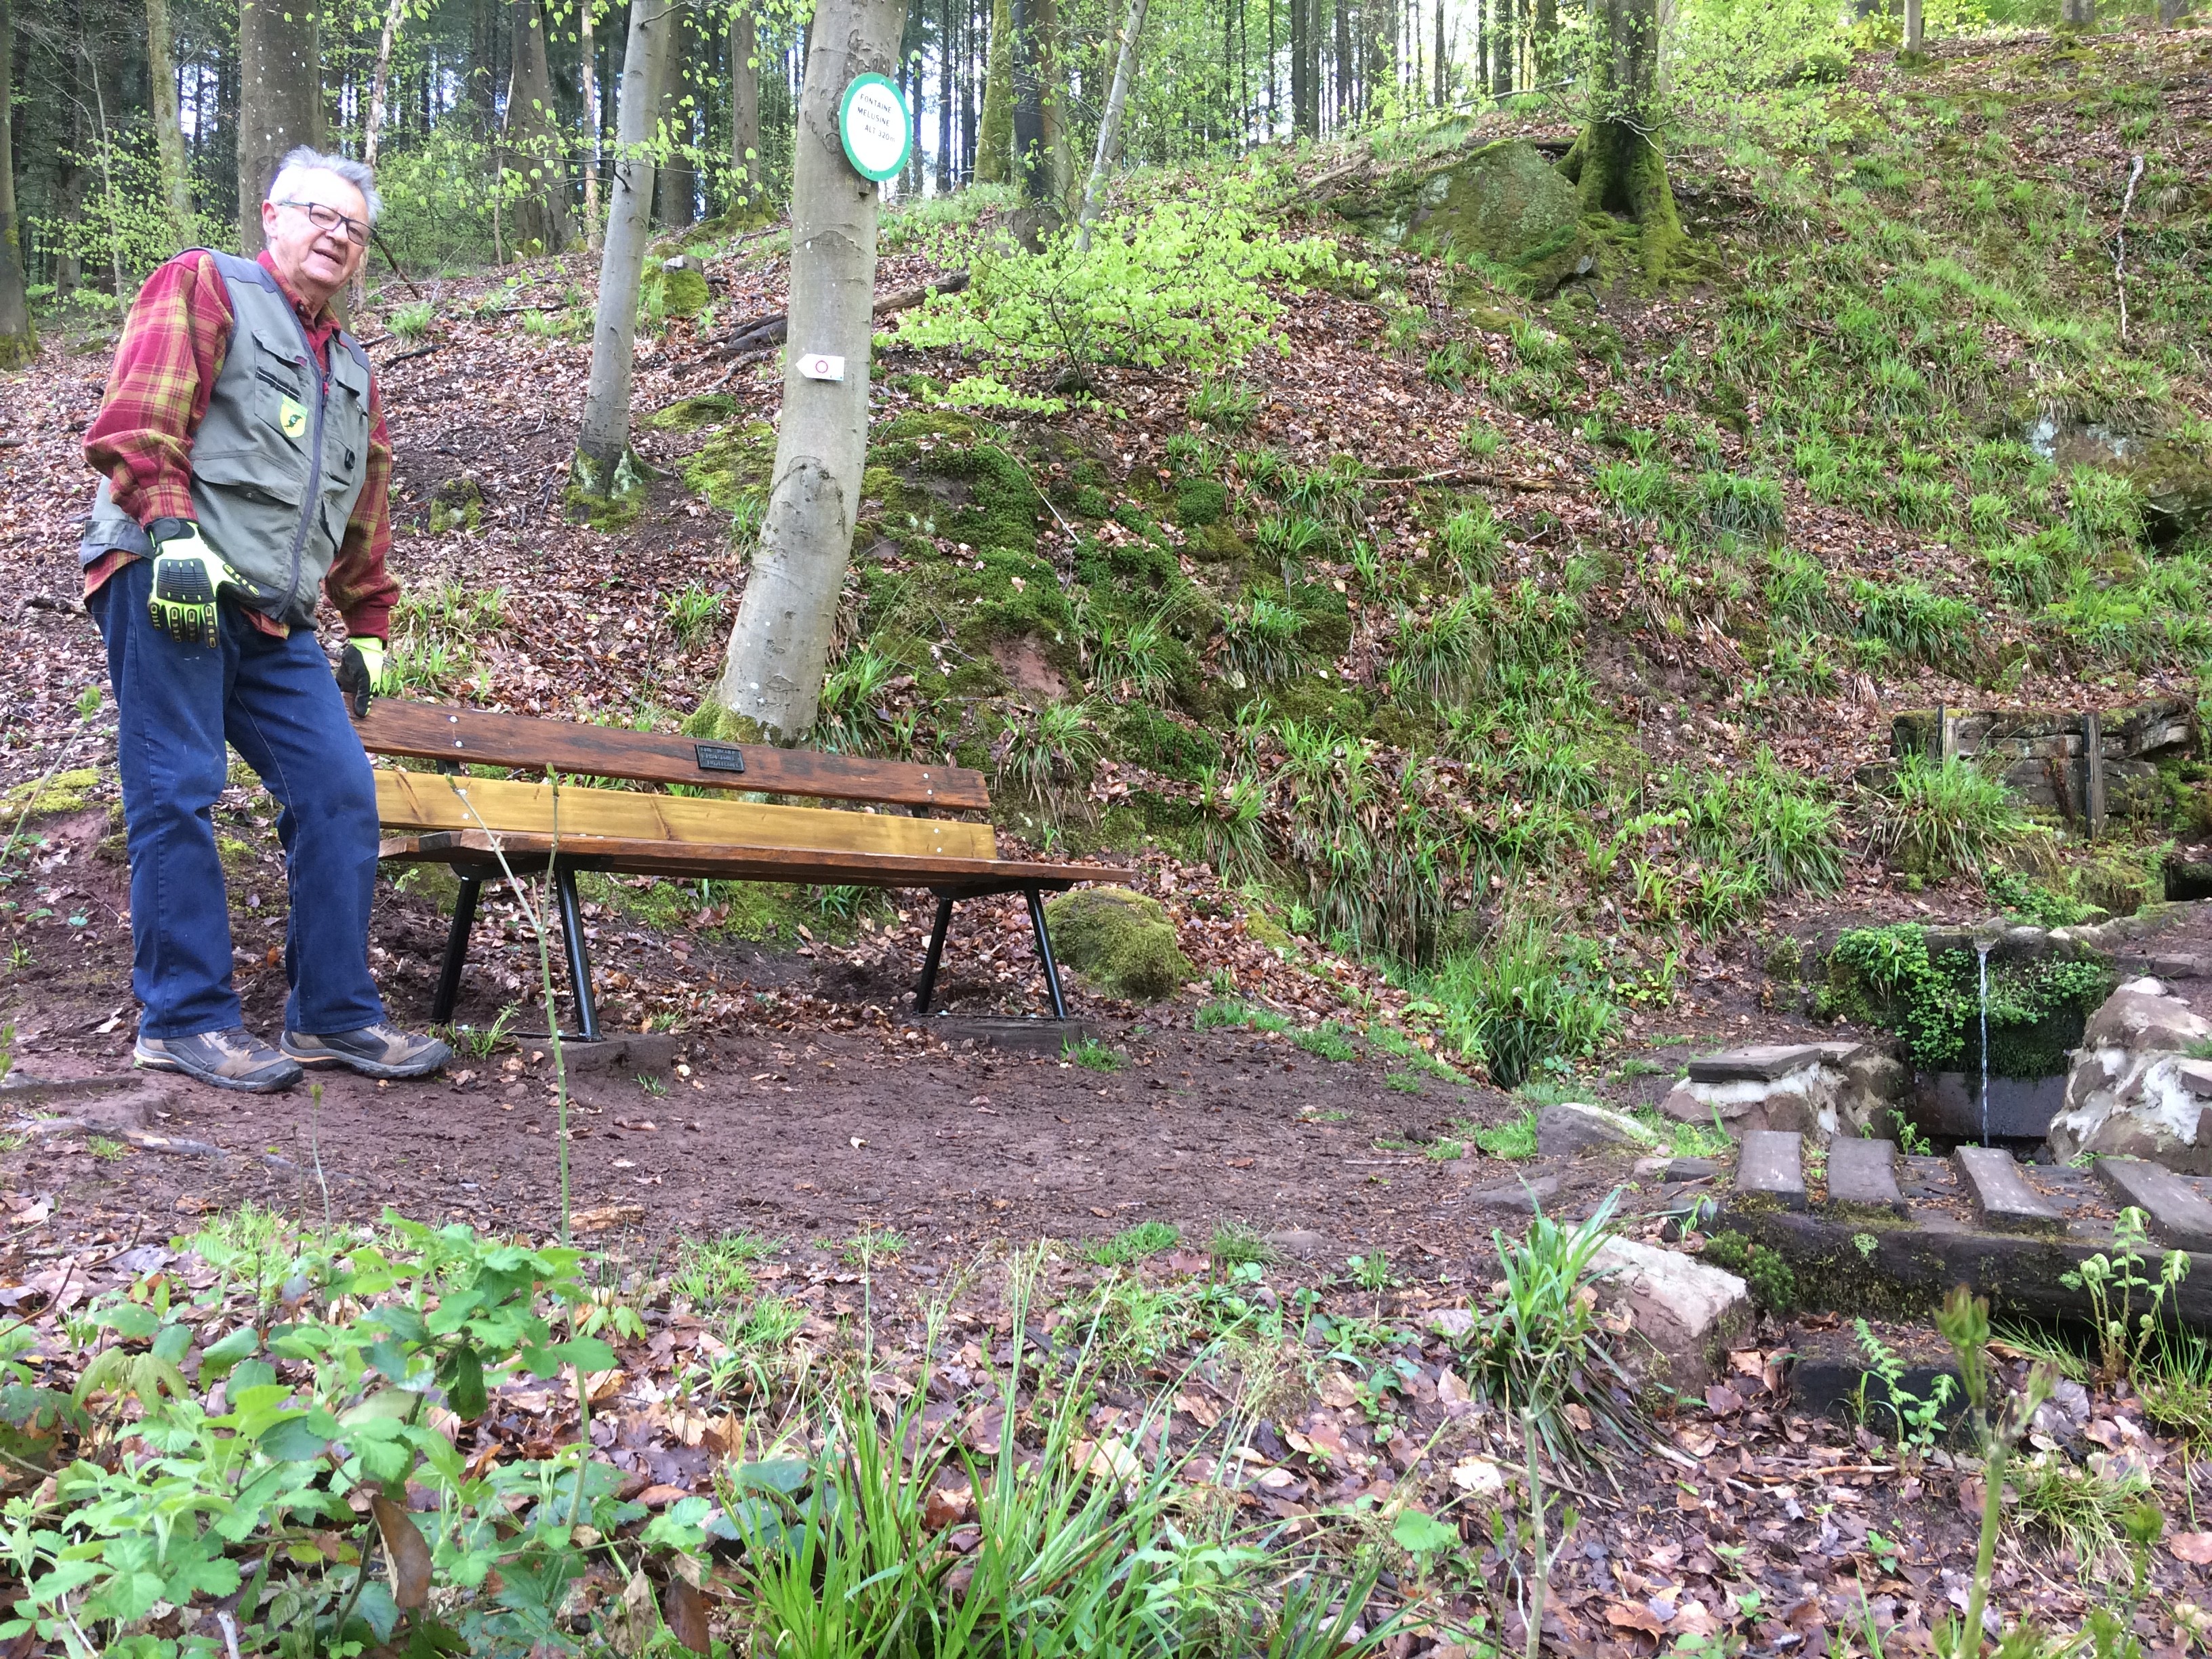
{"points": [[1513, 1140], [1404, 1081], [1146, 1238], [2084, 1508], [1233, 1013], [716, 1272], [1951, 817], [871, 1245], [1092, 1055], [1235, 1245], [1326, 1041]]}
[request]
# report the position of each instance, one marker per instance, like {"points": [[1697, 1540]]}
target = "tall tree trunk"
{"points": [[994, 158], [1548, 41], [280, 99], [1443, 81], [602, 439], [744, 109], [1617, 163], [169, 133], [19, 340], [533, 137], [588, 62], [372, 125], [480, 71], [1110, 125], [1344, 65], [1051, 39], [2078, 13], [1301, 93], [779, 649], [1376, 16], [945, 43], [679, 180], [1914, 38], [1039, 215]]}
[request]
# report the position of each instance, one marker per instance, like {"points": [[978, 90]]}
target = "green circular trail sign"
{"points": [[875, 128]]}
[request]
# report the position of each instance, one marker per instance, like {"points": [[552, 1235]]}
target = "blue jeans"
{"points": [[275, 701]]}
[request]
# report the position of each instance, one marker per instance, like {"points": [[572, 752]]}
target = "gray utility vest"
{"points": [[279, 459]]}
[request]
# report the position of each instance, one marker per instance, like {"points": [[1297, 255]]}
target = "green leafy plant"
{"points": [[1951, 817], [1773, 1280], [1917, 1419], [1146, 1238], [1092, 1055], [2115, 1282]]}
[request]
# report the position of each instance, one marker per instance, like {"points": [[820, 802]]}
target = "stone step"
{"points": [[1862, 1179], [1770, 1170], [1761, 1063], [2002, 1198], [2181, 1219]]}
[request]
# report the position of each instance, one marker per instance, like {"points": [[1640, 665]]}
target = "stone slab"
{"points": [[1760, 1063], [1690, 1168], [1525, 1195], [1863, 1178], [2196, 1076], [1027, 1037], [1770, 1170], [2002, 1198], [2181, 1219]]}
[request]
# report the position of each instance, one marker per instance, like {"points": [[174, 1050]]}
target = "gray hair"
{"points": [[305, 159]]}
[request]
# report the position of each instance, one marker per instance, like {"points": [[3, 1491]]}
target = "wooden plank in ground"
{"points": [[2004, 1200], [431, 801], [483, 737], [1770, 1170], [2179, 1220], [1862, 1179]]}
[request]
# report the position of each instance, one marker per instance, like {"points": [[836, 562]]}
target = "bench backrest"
{"points": [[427, 731], [429, 802]]}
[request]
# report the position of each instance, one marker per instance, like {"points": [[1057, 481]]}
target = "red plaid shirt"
{"points": [[166, 364]]}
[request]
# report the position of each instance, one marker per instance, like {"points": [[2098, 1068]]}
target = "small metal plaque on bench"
{"points": [[720, 757]]}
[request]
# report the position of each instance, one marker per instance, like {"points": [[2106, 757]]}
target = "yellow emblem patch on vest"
{"points": [[292, 418]]}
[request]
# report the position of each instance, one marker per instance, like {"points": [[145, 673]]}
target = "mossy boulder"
{"points": [[1122, 940], [1504, 201], [675, 288], [689, 414], [733, 464]]}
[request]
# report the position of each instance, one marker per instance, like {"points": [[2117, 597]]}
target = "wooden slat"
{"points": [[475, 849], [434, 732], [430, 800]]}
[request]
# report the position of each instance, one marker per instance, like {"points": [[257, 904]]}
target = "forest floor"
{"points": [[881, 1164]]}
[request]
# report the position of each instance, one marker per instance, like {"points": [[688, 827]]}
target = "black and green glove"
{"points": [[360, 668], [189, 577]]}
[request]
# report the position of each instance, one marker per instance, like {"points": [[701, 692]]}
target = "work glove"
{"points": [[189, 576], [361, 670]]}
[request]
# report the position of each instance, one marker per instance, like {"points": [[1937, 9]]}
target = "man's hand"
{"points": [[188, 578], [361, 670]]}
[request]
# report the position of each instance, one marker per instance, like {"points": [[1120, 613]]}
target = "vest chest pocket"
{"points": [[283, 397]]}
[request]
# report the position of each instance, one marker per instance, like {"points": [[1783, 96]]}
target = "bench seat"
{"points": [[483, 828]]}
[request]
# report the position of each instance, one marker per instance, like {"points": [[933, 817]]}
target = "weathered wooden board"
{"points": [[960, 877], [419, 801], [482, 737]]}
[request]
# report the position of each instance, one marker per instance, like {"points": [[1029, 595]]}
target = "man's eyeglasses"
{"points": [[330, 220]]}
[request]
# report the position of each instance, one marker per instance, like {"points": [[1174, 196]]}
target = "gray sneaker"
{"points": [[235, 1058], [378, 1050]]}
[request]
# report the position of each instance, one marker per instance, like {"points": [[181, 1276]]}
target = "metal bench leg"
{"points": [[936, 955], [1044, 953], [579, 957], [456, 949]]}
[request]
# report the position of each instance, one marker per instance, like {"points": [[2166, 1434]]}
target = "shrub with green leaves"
{"points": [[1192, 283], [1887, 977], [1950, 817], [1533, 996]]}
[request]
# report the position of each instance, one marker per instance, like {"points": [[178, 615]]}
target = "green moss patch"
{"points": [[64, 792], [689, 414], [1123, 940], [731, 465]]}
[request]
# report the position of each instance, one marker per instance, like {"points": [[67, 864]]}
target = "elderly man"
{"points": [[244, 465]]}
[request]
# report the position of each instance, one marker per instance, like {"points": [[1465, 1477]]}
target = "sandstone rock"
{"points": [[1572, 1128], [1297, 1240], [1505, 201], [1818, 1089], [2133, 1091], [1452, 1322], [1524, 1195], [1686, 1314]]}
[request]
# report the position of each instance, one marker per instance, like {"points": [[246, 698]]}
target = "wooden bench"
{"points": [[471, 824]]}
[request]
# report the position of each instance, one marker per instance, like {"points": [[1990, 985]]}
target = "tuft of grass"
{"points": [[718, 1273], [1260, 639], [1512, 1140], [1951, 817], [871, 1245], [1050, 750], [1224, 406], [1234, 1244], [2087, 1508], [693, 612], [412, 322], [1233, 1013], [1146, 1238], [1326, 1041], [1092, 1055], [1533, 996]]}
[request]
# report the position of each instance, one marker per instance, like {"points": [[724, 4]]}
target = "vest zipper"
{"points": [[315, 501]]}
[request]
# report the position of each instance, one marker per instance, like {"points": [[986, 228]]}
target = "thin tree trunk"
{"points": [[602, 439], [372, 132], [744, 108], [678, 178], [590, 65], [945, 47], [533, 137], [1301, 93], [1381, 73], [480, 71], [1038, 215], [1110, 127], [2078, 13], [168, 134], [1914, 39], [996, 143], [1049, 39], [779, 646], [1548, 41], [19, 340], [1443, 79], [1344, 65], [280, 99]]}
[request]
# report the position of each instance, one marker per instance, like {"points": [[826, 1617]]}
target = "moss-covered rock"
{"points": [[1201, 501], [689, 414], [731, 465], [64, 792], [1122, 939], [675, 288], [1504, 201]]}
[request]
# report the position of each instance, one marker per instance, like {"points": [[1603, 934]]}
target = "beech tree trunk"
{"points": [[168, 136], [678, 177], [994, 138], [588, 49], [744, 109], [2078, 13], [1617, 163], [372, 125], [603, 439], [280, 99], [779, 649], [1110, 125], [1039, 215], [533, 137], [1913, 39], [1049, 37], [19, 340]]}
